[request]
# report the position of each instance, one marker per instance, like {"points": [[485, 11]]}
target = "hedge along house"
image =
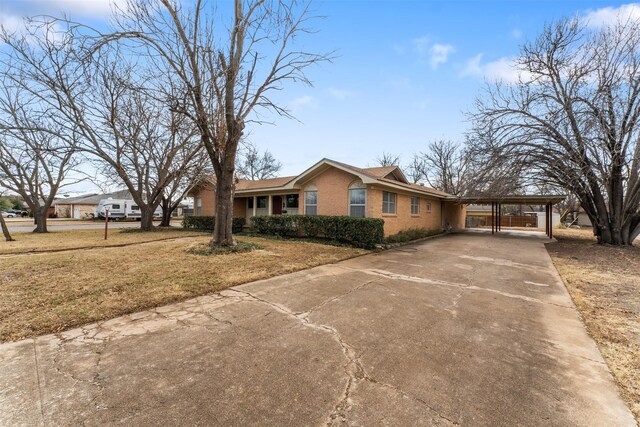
{"points": [[333, 188]]}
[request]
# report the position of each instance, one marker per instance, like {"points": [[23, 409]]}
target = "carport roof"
{"points": [[537, 199]]}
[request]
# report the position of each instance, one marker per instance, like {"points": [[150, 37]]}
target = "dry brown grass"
{"points": [[70, 239], [44, 293], [604, 282]]}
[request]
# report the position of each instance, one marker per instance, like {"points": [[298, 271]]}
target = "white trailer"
{"points": [[118, 209]]}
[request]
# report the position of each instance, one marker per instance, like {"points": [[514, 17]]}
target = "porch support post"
{"points": [[499, 216], [270, 206], [255, 206]]}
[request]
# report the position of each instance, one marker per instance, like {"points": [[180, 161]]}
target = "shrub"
{"points": [[411, 234], [360, 232], [208, 223]]}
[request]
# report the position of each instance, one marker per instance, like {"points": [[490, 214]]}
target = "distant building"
{"points": [[84, 207]]}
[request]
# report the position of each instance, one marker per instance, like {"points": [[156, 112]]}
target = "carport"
{"points": [[496, 203]]}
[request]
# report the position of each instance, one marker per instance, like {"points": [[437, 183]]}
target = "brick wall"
{"points": [[455, 214], [208, 196], [402, 219], [333, 192]]}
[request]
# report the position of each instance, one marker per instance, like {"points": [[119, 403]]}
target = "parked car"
{"points": [[18, 213], [8, 214]]}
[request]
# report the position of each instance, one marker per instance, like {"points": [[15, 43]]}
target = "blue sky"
{"points": [[405, 74]]}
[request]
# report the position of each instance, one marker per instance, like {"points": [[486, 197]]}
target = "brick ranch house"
{"points": [[333, 188]]}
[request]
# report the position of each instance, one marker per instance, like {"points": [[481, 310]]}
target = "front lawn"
{"points": [[75, 239], [50, 292], [604, 282]]}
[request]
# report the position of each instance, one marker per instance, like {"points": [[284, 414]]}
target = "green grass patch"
{"points": [[241, 247]]}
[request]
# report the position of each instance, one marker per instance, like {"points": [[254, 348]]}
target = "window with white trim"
{"points": [[415, 206], [388, 202], [428, 206], [357, 199], [311, 203]]}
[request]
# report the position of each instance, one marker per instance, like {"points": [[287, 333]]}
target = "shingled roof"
{"points": [[383, 175]]}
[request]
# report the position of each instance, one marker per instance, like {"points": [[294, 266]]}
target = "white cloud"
{"points": [[440, 54], [12, 13], [611, 15], [433, 53], [301, 102], [341, 94], [421, 46], [504, 69], [11, 23], [72, 7]]}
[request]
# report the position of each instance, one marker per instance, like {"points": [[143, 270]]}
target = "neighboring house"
{"points": [[83, 207], [479, 210], [333, 188]]}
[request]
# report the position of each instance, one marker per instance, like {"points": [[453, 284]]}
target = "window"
{"points": [[262, 202], [291, 201], [428, 207], [250, 203], [135, 208], [198, 206], [115, 207], [357, 199], [415, 206], [388, 202], [311, 203]]}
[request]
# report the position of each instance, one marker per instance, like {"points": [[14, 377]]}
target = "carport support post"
{"points": [[546, 219], [492, 218], [550, 220]]}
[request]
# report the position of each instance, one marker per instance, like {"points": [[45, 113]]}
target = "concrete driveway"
{"points": [[467, 329]]}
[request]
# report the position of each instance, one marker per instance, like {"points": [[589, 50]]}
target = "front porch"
{"points": [[267, 204]]}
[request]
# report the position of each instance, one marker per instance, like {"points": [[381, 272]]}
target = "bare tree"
{"points": [[445, 166], [255, 165], [3, 225], [572, 120], [185, 179], [150, 148], [108, 102], [226, 75], [387, 159], [36, 155], [416, 169]]}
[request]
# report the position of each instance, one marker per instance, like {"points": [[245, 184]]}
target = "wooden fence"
{"points": [[507, 221]]}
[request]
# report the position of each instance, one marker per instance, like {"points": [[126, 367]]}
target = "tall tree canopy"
{"points": [[226, 68], [571, 120]]}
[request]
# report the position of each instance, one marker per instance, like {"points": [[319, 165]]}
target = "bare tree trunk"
{"points": [[40, 216], [167, 210], [146, 218], [222, 234], [5, 230]]}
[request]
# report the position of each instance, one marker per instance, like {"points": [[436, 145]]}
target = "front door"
{"points": [[277, 205]]}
